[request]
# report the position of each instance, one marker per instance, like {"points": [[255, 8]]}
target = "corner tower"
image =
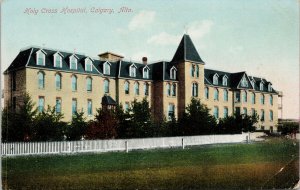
{"points": [[190, 69]]}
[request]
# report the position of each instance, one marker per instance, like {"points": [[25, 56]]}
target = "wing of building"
{"points": [[75, 82]]}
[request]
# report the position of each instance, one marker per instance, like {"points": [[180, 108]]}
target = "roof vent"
{"points": [[144, 59]]}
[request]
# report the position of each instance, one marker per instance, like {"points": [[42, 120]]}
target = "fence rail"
{"points": [[38, 148]]}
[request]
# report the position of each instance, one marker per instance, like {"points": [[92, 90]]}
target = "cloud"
{"points": [[164, 39], [235, 49], [141, 20]]}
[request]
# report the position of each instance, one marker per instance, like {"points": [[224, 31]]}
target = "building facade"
{"points": [[75, 82]]}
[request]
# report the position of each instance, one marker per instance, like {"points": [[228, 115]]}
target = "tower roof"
{"points": [[186, 51]]}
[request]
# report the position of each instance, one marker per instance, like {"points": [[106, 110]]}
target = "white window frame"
{"points": [[173, 71], [60, 59], [106, 65], [88, 60], [216, 79], [105, 86], [270, 87], [44, 57], [261, 86], [146, 72], [225, 80], [132, 70], [244, 82], [76, 61]]}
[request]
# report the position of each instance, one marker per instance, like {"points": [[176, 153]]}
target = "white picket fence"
{"points": [[38, 148]]}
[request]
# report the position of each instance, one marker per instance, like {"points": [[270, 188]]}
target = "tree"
{"points": [[105, 125], [288, 128], [77, 127], [197, 120], [48, 126]]}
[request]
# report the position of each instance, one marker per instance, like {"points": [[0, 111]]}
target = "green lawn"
{"points": [[233, 166]]}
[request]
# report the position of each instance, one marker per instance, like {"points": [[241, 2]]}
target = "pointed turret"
{"points": [[186, 51]]}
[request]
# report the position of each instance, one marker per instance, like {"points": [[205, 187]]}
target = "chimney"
{"points": [[145, 60]]}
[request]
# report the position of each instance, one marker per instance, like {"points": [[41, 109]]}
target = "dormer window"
{"points": [[216, 79], [252, 83], [270, 87], [224, 80], [261, 86], [73, 62], [244, 82], [88, 64], [57, 59], [132, 70], [173, 73], [146, 72], [106, 68], [40, 57]]}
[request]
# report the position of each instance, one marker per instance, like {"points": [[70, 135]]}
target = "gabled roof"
{"points": [[124, 70], [113, 67], [107, 100], [186, 51], [161, 71]]}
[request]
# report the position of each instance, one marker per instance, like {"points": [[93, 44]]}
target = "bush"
{"points": [[77, 128], [288, 128]]}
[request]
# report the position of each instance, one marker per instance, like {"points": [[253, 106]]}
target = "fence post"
{"points": [[182, 142], [126, 146]]}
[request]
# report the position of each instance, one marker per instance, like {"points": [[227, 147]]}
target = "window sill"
{"points": [[89, 91], [41, 88], [58, 89], [74, 90]]}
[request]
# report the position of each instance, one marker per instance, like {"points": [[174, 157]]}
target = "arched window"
{"points": [[206, 92], [146, 89], [216, 112], [270, 87], [174, 90], [106, 68], [271, 100], [237, 96], [216, 79], [262, 115], [195, 90], [224, 80], [197, 71], [74, 83], [145, 72], [88, 64], [225, 94], [89, 84], [244, 82], [132, 71], [252, 98], [262, 99], [192, 70], [168, 89], [58, 81], [173, 73], [225, 112], [73, 62], [216, 94], [106, 86], [126, 87], [244, 96], [271, 115], [261, 86], [136, 88], [57, 60], [40, 58], [41, 81]]}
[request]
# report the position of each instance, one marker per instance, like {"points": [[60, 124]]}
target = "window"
{"points": [[132, 71], [106, 86], [41, 104], [106, 68], [252, 82], [126, 87], [271, 115], [216, 94], [261, 86], [88, 64], [215, 79], [168, 90], [171, 111], [271, 100], [89, 107], [262, 99], [206, 93], [252, 98], [197, 71], [14, 82], [145, 72], [245, 111], [40, 58], [58, 105], [146, 89], [253, 112], [89, 84], [126, 107], [173, 73], [74, 83], [136, 88], [41, 81], [174, 90], [74, 106], [195, 90], [216, 112], [237, 110], [244, 82], [237, 96], [224, 80], [262, 115], [192, 70], [57, 60], [225, 112], [58, 81], [270, 87], [73, 63], [225, 94], [244, 96], [14, 103]]}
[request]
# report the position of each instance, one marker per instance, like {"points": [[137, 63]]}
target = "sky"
{"points": [[260, 37]]}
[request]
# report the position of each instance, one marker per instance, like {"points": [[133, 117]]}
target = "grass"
{"points": [[233, 166]]}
